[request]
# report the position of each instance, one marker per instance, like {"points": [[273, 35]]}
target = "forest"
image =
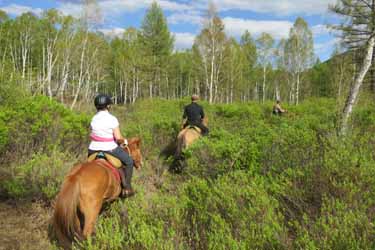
{"points": [[258, 181]]}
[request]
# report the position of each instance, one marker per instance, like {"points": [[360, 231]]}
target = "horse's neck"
{"points": [[205, 121]]}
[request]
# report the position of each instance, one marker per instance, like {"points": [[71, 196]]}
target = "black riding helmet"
{"points": [[102, 101]]}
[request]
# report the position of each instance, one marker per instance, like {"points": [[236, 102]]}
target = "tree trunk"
{"points": [[297, 88], [81, 74], [212, 72], [354, 91], [264, 85]]}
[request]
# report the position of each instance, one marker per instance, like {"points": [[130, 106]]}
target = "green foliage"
{"points": [[338, 227], [155, 36], [233, 212], [109, 231], [40, 140], [40, 177], [258, 181], [41, 124]]}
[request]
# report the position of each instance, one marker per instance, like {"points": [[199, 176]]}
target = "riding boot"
{"points": [[123, 177], [128, 177]]}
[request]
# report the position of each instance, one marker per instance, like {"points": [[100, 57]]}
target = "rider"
{"points": [[105, 133], [194, 114], [277, 109]]}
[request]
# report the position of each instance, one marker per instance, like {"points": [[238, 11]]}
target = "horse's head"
{"points": [[134, 145]]}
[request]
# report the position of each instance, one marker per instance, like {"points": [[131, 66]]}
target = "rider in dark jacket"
{"points": [[194, 114]]}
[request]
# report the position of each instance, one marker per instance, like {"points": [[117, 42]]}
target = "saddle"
{"points": [[110, 158], [196, 128]]}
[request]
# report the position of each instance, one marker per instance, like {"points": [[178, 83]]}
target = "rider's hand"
{"points": [[122, 142]]}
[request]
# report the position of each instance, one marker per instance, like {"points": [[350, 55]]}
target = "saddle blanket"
{"points": [[111, 167]]}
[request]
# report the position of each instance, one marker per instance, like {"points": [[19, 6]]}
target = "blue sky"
{"points": [[185, 17]]}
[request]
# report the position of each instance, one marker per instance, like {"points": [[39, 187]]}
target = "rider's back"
{"points": [[194, 112]]}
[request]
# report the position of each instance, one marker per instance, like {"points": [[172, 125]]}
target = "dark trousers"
{"points": [[199, 125], [126, 160]]}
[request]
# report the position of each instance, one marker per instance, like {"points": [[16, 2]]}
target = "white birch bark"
{"points": [[354, 91]]}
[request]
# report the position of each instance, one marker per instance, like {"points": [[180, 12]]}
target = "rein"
{"points": [[126, 148]]}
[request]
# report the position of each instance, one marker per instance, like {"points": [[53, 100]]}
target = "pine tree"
{"points": [[157, 45]]}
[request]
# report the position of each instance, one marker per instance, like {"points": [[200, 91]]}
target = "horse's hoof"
{"points": [[126, 193]]}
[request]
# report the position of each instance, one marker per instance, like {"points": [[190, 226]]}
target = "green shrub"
{"points": [[41, 124], [40, 177], [258, 181], [338, 227], [234, 212]]}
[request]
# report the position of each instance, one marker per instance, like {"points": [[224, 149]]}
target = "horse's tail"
{"points": [[65, 219]]}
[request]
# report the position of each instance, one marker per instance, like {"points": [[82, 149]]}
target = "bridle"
{"points": [[126, 148]]}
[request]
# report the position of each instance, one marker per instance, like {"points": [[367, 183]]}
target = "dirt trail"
{"points": [[23, 226]]}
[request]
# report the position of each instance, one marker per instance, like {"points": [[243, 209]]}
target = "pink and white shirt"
{"points": [[102, 126]]}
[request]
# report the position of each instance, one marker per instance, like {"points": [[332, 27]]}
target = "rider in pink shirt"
{"points": [[105, 133]]}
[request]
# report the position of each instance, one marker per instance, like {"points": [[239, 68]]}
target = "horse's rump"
{"points": [[104, 163], [84, 185], [84, 190]]}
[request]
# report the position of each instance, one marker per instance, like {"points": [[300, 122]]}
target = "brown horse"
{"points": [[82, 194], [187, 136]]}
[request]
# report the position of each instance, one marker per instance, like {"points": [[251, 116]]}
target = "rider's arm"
{"points": [[281, 109], [184, 116], [117, 134]]}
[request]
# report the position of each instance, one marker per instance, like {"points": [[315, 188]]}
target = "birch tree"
{"points": [[357, 33], [90, 20], [300, 50], [50, 35], [210, 44], [265, 52]]}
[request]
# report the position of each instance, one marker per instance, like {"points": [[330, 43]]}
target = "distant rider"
{"points": [[277, 109], [105, 133], [194, 115]]}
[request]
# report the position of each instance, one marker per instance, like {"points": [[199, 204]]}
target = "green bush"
{"points": [[39, 177], [39, 123], [258, 181], [40, 140]]}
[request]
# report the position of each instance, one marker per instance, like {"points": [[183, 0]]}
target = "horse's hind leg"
{"points": [[90, 211], [180, 142]]}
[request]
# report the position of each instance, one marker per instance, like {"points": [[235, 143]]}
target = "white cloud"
{"points": [[116, 7], [183, 40], [114, 32], [71, 9], [236, 27], [172, 6], [192, 17], [17, 10], [279, 7], [320, 29], [325, 48]]}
